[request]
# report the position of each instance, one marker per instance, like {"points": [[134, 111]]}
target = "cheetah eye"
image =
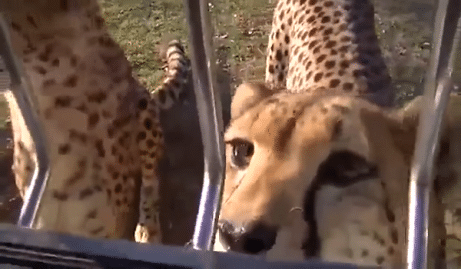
{"points": [[241, 154]]}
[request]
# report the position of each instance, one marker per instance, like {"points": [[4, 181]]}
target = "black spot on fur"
{"points": [[141, 136], [394, 235], [92, 214], [150, 143], [337, 130], [70, 81], [278, 55], [63, 149], [45, 55], [334, 83], [148, 124], [118, 188], [100, 148], [98, 97], [31, 21], [85, 193], [93, 120], [61, 196], [62, 101]]}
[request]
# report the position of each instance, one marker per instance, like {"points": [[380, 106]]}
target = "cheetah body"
{"points": [[317, 165], [101, 126]]}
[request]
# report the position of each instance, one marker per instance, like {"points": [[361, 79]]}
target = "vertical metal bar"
{"points": [[21, 92], [210, 117], [422, 174], [437, 91]]}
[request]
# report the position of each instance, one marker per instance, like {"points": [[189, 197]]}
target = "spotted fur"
{"points": [[102, 127], [330, 44]]}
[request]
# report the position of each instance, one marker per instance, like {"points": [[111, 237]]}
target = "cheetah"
{"points": [[317, 160], [101, 126]]}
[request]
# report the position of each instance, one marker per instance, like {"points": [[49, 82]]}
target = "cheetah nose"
{"points": [[259, 238]]}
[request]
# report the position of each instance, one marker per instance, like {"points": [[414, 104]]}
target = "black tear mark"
{"points": [[337, 130], [341, 169]]}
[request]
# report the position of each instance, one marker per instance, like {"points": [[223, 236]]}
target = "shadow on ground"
{"points": [[182, 168]]}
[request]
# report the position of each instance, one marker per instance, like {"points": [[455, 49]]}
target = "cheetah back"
{"points": [[327, 44]]}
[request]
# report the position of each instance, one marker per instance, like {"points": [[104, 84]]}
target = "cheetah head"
{"points": [[280, 146]]}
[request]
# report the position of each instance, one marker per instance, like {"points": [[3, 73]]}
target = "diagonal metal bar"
{"points": [[21, 92], [210, 117], [437, 90]]}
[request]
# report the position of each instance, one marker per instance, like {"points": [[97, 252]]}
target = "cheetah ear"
{"points": [[401, 124], [248, 95], [448, 162], [404, 124], [398, 126]]}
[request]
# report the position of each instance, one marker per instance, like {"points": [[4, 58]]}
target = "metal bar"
{"points": [[22, 94], [438, 86], [20, 246], [210, 117], [422, 174]]}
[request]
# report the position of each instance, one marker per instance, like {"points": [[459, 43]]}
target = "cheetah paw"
{"points": [[145, 234]]}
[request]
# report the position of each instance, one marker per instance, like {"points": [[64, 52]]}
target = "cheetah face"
{"points": [[280, 147]]}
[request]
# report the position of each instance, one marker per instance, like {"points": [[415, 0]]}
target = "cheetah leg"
{"points": [[151, 148]]}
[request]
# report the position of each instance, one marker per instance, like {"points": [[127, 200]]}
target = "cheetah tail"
{"points": [[177, 71]]}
